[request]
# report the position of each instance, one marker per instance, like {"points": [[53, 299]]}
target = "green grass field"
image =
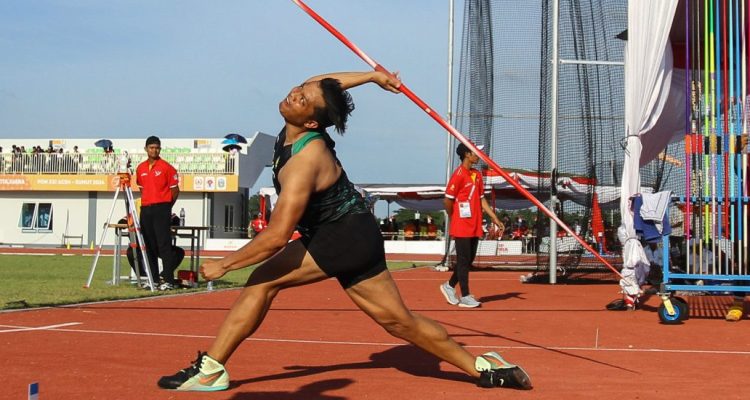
{"points": [[28, 281]]}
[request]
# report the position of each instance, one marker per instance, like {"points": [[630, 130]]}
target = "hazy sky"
{"points": [[189, 68]]}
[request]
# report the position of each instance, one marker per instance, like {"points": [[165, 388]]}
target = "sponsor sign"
{"points": [[109, 183], [509, 247]]}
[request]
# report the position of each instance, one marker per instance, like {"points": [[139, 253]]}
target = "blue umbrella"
{"points": [[236, 137], [229, 141], [103, 143]]}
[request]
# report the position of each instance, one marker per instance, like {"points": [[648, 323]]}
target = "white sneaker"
{"points": [[468, 302], [449, 293], [167, 286]]}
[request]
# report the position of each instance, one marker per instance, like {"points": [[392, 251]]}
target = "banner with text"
{"points": [[108, 183]]}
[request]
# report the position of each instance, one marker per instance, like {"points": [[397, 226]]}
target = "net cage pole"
{"points": [[553, 130], [449, 116], [430, 111]]}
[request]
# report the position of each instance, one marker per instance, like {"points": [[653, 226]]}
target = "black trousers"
{"points": [[466, 250], [156, 222]]}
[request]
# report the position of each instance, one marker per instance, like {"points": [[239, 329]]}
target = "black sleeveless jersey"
{"points": [[325, 206]]}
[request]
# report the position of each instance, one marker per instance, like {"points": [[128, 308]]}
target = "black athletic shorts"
{"points": [[349, 249]]}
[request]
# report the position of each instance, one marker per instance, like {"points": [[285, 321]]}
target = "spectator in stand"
{"points": [[410, 230], [432, 229], [521, 223], [519, 228], [494, 232], [388, 228], [393, 226], [74, 160], [464, 203], [15, 159], [507, 225], [423, 229]]}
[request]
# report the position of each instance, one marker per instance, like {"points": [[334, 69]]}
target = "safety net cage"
{"points": [[497, 105], [504, 93]]}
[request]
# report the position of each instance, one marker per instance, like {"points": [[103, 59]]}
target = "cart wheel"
{"points": [[684, 303], [680, 312]]}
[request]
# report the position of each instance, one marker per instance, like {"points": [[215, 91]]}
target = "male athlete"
{"points": [[340, 238]]}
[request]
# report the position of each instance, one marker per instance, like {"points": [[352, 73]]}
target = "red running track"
{"points": [[315, 344]]}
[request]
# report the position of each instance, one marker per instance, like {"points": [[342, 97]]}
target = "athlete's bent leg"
{"points": [[293, 266], [379, 298]]}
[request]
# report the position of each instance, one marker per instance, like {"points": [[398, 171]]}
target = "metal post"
{"points": [[553, 151], [450, 143]]}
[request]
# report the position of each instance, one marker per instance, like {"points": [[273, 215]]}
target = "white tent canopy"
{"points": [[429, 197]]}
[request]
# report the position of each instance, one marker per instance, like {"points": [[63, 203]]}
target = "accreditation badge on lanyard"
{"points": [[464, 207]]}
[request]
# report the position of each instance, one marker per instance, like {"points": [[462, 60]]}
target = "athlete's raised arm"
{"points": [[349, 80]]}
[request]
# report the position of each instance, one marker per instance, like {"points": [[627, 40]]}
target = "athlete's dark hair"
{"points": [[339, 105]]}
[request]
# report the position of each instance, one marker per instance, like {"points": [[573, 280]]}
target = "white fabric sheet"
{"points": [[647, 83]]}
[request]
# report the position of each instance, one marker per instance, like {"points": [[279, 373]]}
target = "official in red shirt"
{"points": [[258, 224], [158, 182], [464, 203]]}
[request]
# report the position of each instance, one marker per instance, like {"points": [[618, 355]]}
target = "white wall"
{"points": [[75, 206], [71, 205], [436, 247]]}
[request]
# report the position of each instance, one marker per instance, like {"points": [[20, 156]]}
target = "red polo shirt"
{"points": [[156, 182], [466, 185], [258, 224]]}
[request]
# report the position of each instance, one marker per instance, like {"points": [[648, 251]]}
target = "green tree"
{"points": [[253, 206]]}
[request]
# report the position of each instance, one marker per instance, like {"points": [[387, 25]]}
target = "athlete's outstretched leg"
{"points": [[380, 299]]}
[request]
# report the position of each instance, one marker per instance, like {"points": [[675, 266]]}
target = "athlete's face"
{"points": [[298, 107]]}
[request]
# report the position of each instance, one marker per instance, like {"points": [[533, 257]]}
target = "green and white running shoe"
{"points": [[205, 375]]}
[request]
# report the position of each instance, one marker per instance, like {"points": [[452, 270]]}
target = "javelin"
{"points": [[455, 133]]}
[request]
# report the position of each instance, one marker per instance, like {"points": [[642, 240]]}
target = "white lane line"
{"points": [[386, 344], [443, 279], [35, 328]]}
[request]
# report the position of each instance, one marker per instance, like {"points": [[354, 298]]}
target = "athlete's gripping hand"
{"points": [[212, 270], [391, 83]]}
